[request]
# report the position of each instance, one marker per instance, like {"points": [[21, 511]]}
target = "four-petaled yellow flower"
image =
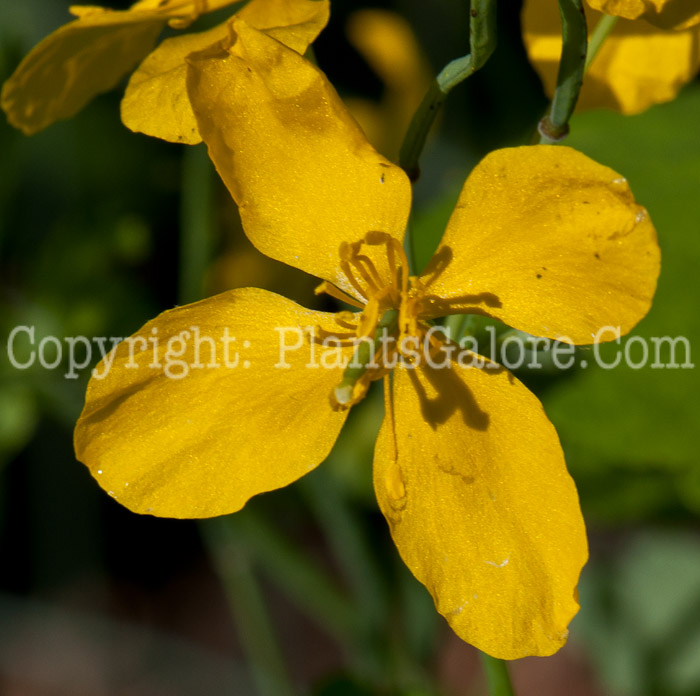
{"points": [[468, 469], [94, 52], [641, 63]]}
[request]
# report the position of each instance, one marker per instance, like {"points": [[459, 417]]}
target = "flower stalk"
{"points": [[196, 222], [601, 32], [554, 127], [482, 42], [497, 676]]}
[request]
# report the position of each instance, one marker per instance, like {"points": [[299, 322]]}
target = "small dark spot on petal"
{"points": [[539, 275], [597, 255]]}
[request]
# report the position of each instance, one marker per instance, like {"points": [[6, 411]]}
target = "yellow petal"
{"points": [[88, 56], [637, 66], [469, 473], [305, 178], [295, 23], [177, 436], [179, 9], [550, 242], [666, 14], [156, 101], [75, 63]]}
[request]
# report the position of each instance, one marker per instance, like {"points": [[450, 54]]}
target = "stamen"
{"points": [[396, 246], [369, 319], [348, 320], [346, 268], [337, 293], [364, 274], [370, 269], [340, 340]]}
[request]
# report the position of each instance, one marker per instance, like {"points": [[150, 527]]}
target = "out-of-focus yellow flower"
{"points": [[637, 66], [94, 52], [667, 14], [468, 469], [389, 46]]}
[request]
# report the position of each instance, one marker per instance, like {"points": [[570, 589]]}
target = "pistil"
{"points": [[356, 376]]}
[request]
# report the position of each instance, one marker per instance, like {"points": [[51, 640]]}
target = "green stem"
{"points": [[482, 42], [248, 608], [196, 222], [554, 127], [601, 32], [497, 676]]}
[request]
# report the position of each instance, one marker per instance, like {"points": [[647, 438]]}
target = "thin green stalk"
{"points": [[497, 676], [554, 127], [248, 608], [196, 222], [600, 33], [482, 42]]}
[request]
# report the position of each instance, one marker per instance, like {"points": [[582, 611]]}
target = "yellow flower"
{"points": [[638, 65], [94, 52], [666, 14], [468, 469]]}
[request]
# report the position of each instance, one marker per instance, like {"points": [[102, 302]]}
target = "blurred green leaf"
{"points": [[18, 417], [641, 617]]}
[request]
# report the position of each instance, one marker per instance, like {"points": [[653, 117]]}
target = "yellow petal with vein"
{"points": [[469, 473], [156, 101], [550, 242], [637, 66], [187, 431], [303, 174]]}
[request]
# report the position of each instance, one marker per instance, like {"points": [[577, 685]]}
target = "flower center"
{"points": [[390, 301]]}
